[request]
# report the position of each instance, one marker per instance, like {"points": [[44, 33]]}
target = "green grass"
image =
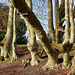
{"points": [[8, 60]]}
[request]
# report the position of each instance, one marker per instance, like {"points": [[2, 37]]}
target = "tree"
{"points": [[72, 36], [32, 44], [28, 14], [14, 43], [68, 42], [62, 13], [59, 19], [56, 19], [7, 41], [50, 21]]}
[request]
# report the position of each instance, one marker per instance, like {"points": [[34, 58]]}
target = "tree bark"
{"points": [[66, 40], [56, 20], [8, 38], [71, 22], [67, 44], [62, 12], [72, 72], [50, 21], [22, 7], [32, 44], [66, 22], [14, 44]]}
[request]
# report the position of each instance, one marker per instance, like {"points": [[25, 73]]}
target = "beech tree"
{"points": [[11, 34], [35, 26], [68, 41], [27, 13], [7, 41], [32, 44], [59, 19], [56, 20], [72, 36], [14, 43], [62, 13], [50, 21]]}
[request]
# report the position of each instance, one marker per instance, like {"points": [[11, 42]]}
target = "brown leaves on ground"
{"points": [[17, 67]]}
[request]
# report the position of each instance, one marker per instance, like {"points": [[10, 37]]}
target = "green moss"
{"points": [[11, 59], [58, 46], [53, 46], [8, 60]]}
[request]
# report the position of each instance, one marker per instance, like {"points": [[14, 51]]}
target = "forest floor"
{"points": [[17, 67]]}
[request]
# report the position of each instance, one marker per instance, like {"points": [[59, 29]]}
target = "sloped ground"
{"points": [[17, 68]]}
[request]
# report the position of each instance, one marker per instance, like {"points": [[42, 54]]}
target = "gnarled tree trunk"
{"points": [[66, 40], [32, 44], [27, 13]]}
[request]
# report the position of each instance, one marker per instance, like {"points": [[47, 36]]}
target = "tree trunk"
{"points": [[66, 22], [62, 12], [71, 22], [56, 19], [32, 44], [61, 18], [66, 40], [8, 38], [50, 21], [14, 45], [67, 44], [72, 72], [27, 13]]}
